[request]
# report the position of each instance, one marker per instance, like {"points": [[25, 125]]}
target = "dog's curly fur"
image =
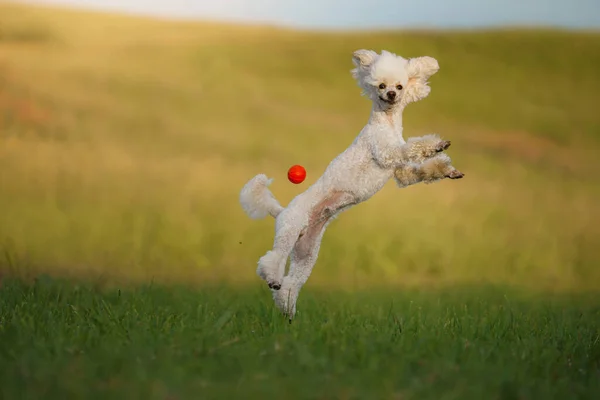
{"points": [[378, 154]]}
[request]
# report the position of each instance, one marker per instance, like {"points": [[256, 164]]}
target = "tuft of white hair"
{"points": [[389, 66], [257, 200]]}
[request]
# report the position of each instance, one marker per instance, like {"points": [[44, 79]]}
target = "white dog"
{"points": [[378, 154]]}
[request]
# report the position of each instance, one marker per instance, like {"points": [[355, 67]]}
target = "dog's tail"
{"points": [[257, 200]]}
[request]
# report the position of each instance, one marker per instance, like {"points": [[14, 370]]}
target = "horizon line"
{"points": [[295, 27]]}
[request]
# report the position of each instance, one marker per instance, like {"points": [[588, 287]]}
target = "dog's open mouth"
{"points": [[388, 101]]}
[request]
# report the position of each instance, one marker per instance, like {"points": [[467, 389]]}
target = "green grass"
{"points": [[62, 341]]}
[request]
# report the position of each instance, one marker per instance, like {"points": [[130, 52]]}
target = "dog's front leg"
{"points": [[419, 149], [415, 150], [431, 170]]}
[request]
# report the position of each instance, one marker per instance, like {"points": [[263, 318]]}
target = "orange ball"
{"points": [[296, 174]]}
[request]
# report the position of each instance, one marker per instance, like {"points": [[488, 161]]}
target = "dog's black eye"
{"points": [[382, 86], [399, 87]]}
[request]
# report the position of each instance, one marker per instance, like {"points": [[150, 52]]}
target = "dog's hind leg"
{"points": [[271, 266], [303, 259], [290, 229], [306, 251]]}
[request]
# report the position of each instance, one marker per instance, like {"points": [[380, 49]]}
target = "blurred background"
{"points": [[128, 128]]}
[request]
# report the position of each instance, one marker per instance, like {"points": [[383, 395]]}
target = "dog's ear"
{"points": [[422, 68], [363, 58], [419, 69]]}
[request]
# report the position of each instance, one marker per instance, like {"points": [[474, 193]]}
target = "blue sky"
{"points": [[366, 14]]}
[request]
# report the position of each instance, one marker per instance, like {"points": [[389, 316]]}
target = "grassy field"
{"points": [[124, 143], [62, 342]]}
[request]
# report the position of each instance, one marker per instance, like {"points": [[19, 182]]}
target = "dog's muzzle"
{"points": [[391, 99]]}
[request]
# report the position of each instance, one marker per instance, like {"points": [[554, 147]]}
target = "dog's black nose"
{"points": [[391, 95]]}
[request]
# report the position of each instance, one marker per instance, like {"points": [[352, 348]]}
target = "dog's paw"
{"points": [[432, 149], [285, 299], [272, 282], [268, 269], [455, 174], [442, 145]]}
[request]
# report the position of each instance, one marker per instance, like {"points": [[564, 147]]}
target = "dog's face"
{"points": [[391, 80]]}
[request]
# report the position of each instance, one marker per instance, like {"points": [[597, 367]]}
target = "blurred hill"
{"points": [[124, 143]]}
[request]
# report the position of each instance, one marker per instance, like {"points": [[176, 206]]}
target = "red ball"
{"points": [[296, 174]]}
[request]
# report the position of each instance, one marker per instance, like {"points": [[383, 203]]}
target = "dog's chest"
{"points": [[360, 175]]}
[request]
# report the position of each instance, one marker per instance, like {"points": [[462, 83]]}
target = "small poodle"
{"points": [[378, 154]]}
